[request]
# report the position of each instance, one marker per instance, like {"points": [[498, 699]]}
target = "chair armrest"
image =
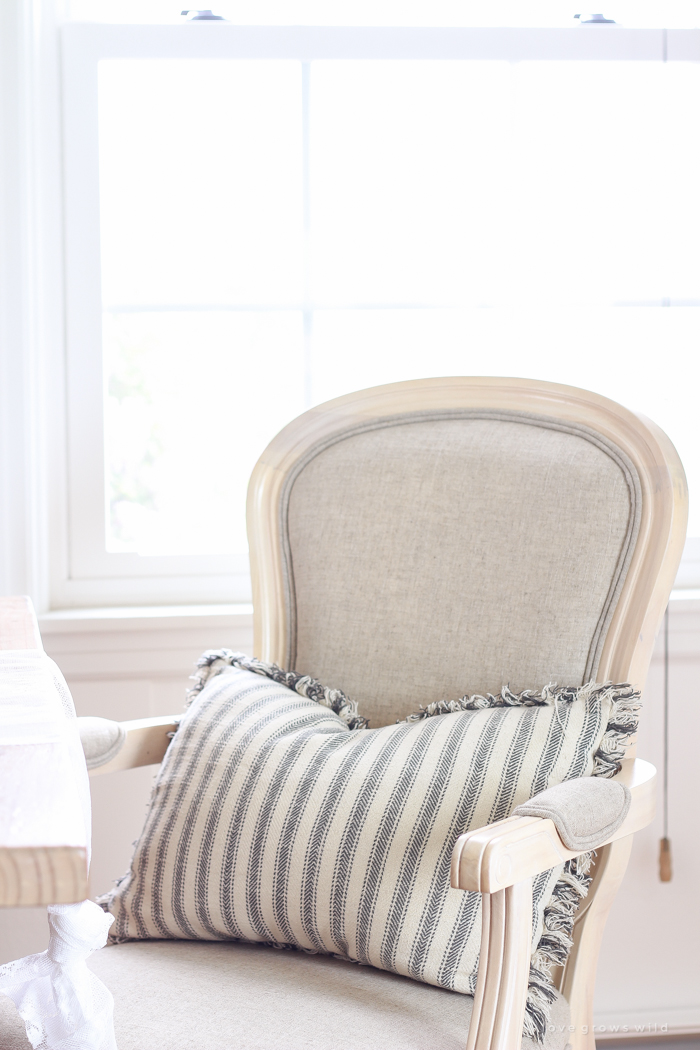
{"points": [[500, 861], [144, 743], [492, 858]]}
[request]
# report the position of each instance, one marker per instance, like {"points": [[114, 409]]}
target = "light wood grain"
{"points": [[41, 875], [505, 856], [578, 981], [145, 745], [499, 1002]]}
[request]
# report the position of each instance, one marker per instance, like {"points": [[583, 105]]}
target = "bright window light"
{"points": [[275, 234]]}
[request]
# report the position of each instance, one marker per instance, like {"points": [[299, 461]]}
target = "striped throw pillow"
{"points": [[279, 817]]}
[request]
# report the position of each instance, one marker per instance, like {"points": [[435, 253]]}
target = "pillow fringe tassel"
{"points": [[555, 943], [214, 661]]}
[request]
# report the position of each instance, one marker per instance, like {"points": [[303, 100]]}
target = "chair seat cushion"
{"points": [[178, 995]]}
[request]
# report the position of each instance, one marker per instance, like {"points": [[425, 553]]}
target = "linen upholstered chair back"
{"points": [[424, 540]]}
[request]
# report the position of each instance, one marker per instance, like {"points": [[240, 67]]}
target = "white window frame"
{"points": [[84, 573]]}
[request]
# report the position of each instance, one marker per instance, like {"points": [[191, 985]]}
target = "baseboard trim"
{"points": [[674, 1037], [651, 1032]]}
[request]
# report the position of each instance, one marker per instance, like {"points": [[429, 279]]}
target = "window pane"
{"points": [[192, 400], [407, 162], [200, 181], [597, 151], [470, 183], [679, 189]]}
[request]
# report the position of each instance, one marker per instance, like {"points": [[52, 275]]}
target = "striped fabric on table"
{"points": [[271, 820]]}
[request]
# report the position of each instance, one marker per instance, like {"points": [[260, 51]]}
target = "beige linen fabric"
{"points": [[13, 1035], [101, 738], [179, 995], [438, 555], [585, 811]]}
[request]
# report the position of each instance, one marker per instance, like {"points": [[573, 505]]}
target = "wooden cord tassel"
{"points": [[665, 867], [665, 870]]}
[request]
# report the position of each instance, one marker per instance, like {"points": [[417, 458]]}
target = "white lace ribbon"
{"points": [[63, 1004]]}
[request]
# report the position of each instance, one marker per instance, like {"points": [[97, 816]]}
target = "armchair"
{"points": [[409, 542]]}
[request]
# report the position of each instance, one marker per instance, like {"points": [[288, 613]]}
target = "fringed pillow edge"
{"points": [[215, 661]]}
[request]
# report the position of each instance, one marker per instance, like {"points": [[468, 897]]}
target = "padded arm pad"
{"points": [[102, 739], [585, 811]]}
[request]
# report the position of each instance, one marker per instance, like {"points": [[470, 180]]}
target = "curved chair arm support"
{"points": [[499, 861], [490, 859], [145, 742], [504, 966]]}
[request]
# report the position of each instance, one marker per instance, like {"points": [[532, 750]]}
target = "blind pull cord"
{"points": [[665, 869]]}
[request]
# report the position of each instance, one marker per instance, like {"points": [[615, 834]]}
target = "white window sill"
{"points": [[144, 618], [163, 617], [145, 643]]}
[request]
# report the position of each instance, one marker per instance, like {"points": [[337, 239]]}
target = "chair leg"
{"points": [[578, 984], [504, 967]]}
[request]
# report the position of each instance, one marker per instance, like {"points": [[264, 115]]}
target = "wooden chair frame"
{"points": [[498, 861]]}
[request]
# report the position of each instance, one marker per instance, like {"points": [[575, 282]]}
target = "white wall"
{"points": [[650, 965], [650, 968]]}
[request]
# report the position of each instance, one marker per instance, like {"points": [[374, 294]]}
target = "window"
{"points": [[259, 219]]}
